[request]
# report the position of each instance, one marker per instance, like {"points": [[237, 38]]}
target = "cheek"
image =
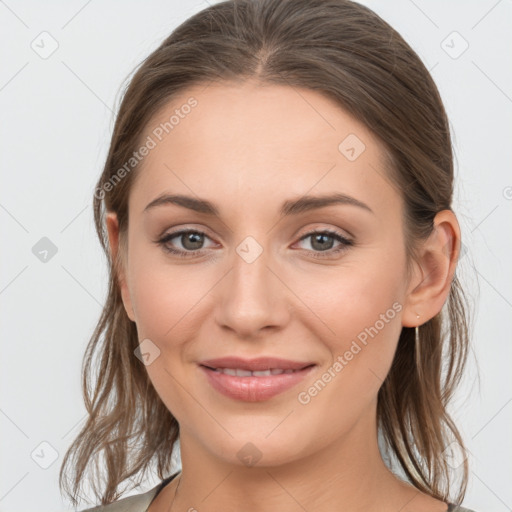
{"points": [[359, 309], [370, 347], [164, 296], [167, 300], [352, 298]]}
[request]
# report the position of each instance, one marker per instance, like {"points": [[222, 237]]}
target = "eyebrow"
{"points": [[290, 207]]}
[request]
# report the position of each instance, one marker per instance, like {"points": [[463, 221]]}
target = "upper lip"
{"points": [[257, 364]]}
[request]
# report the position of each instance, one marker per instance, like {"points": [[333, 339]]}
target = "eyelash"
{"points": [[345, 243]]}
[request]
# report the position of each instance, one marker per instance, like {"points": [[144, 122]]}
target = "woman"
{"points": [[276, 211]]}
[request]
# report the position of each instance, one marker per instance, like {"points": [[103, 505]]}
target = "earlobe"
{"points": [[113, 237], [435, 270]]}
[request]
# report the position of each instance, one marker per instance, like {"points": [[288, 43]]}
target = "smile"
{"points": [[253, 386]]}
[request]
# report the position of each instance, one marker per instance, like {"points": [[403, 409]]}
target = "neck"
{"points": [[348, 472]]}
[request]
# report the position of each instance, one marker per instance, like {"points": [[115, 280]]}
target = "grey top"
{"points": [[141, 502], [136, 503]]}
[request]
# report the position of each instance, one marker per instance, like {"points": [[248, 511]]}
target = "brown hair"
{"points": [[348, 53]]}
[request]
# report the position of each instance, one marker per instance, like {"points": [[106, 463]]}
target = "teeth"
{"points": [[237, 372], [266, 373]]}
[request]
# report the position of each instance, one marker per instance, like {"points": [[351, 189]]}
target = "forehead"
{"points": [[251, 141]]}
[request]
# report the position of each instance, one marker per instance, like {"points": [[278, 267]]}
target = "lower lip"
{"points": [[254, 389]]}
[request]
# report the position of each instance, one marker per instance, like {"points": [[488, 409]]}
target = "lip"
{"points": [[255, 389]]}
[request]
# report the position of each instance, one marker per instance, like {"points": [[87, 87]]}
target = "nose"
{"points": [[252, 298]]}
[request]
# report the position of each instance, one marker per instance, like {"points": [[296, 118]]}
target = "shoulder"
{"points": [[136, 503]]}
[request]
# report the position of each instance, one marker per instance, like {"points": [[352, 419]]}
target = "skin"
{"points": [[248, 148]]}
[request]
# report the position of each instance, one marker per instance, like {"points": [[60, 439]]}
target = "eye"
{"points": [[191, 241], [320, 242]]}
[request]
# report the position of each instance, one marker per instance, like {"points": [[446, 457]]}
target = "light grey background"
{"points": [[56, 119]]}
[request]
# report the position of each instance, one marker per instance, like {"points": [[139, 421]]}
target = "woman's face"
{"points": [[257, 286]]}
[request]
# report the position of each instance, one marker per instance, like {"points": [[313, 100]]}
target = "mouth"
{"points": [[254, 385], [267, 363], [239, 372]]}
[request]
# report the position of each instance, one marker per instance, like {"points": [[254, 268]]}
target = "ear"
{"points": [[434, 272], [113, 238]]}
